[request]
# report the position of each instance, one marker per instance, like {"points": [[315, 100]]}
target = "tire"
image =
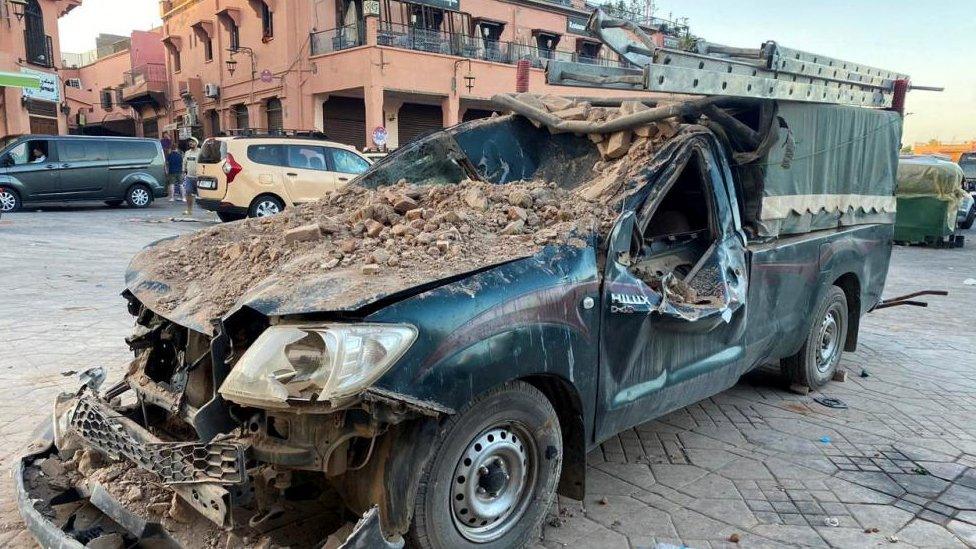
{"points": [[114, 203], [477, 454], [228, 217], [968, 222], [265, 205], [9, 200], [138, 196], [814, 365]]}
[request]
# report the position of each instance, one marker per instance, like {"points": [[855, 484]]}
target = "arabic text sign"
{"points": [[50, 89]]}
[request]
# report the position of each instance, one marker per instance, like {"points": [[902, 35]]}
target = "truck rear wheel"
{"points": [[814, 365], [493, 475]]}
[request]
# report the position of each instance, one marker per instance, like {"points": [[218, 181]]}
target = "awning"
{"points": [[19, 80]]}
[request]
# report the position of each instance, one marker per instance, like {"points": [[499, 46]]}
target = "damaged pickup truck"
{"points": [[437, 346]]}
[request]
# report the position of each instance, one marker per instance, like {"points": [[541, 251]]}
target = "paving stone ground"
{"points": [[756, 462]]}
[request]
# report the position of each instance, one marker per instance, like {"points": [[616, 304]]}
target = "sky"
{"points": [[933, 41]]}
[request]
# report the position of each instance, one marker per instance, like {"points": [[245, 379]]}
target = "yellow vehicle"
{"points": [[258, 176]]}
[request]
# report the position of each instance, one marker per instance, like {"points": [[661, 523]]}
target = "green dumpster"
{"points": [[929, 193]]}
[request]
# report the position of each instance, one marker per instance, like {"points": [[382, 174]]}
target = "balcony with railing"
{"points": [[448, 43], [341, 38], [145, 84]]}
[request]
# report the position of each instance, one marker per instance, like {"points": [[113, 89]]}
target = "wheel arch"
{"points": [[566, 401], [851, 285], [276, 196]]}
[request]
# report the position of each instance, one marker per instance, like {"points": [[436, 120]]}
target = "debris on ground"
{"points": [[864, 373], [831, 521], [871, 530], [734, 537], [840, 376], [830, 402], [604, 501], [799, 389], [825, 439]]}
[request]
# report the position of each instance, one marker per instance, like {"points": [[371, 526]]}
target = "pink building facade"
{"points": [[360, 70], [29, 44]]}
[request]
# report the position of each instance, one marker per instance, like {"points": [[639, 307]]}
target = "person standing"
{"points": [[190, 175], [174, 172]]}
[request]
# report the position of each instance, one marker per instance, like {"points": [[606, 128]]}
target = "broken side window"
{"points": [[678, 234]]}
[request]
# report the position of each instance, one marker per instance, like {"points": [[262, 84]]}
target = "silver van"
{"points": [[51, 168]]}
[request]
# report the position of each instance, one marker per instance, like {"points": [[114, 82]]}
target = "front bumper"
{"points": [[201, 475]]}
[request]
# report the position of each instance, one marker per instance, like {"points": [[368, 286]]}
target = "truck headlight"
{"points": [[315, 363]]}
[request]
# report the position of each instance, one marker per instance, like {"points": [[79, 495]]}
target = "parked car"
{"points": [[967, 211], [258, 176], [46, 168], [967, 161], [449, 397]]}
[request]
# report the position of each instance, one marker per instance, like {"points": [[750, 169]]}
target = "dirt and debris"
{"points": [[379, 241]]}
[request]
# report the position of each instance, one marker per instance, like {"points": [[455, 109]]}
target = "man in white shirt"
{"points": [[190, 175]]}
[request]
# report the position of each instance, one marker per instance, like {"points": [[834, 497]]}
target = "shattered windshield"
{"points": [[434, 161], [497, 150]]}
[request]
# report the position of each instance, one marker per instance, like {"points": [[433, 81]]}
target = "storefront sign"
{"points": [[371, 7], [453, 5], [577, 25], [50, 89], [186, 132]]}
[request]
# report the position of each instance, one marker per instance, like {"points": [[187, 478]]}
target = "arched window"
{"points": [[241, 119], [275, 115], [38, 44]]}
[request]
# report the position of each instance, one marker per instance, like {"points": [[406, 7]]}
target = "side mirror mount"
{"points": [[6, 161]]}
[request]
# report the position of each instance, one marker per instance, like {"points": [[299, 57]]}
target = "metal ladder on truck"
{"points": [[768, 72]]}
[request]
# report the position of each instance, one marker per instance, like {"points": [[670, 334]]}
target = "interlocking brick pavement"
{"points": [[749, 462]]}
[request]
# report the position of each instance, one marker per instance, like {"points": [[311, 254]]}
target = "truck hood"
{"points": [[342, 290]]}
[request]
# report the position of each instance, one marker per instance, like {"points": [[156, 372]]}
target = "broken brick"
{"points": [[617, 145], [514, 227], [371, 269], [573, 113], [555, 103], [404, 204], [305, 233], [475, 199], [373, 228]]}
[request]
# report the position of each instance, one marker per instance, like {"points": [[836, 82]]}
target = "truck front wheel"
{"points": [[814, 365], [493, 475]]}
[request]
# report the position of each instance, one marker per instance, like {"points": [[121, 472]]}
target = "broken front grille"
{"points": [[174, 462]]}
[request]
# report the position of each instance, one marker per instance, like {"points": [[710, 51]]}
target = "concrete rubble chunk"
{"points": [[648, 131], [632, 107], [521, 198], [475, 199], [329, 225], [578, 112], [515, 227], [305, 233], [373, 228], [404, 204], [416, 213], [667, 128], [616, 146], [371, 269], [555, 103]]}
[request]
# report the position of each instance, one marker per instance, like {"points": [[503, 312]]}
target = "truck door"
{"points": [[674, 293]]}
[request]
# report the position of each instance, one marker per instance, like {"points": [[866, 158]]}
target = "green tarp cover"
{"points": [[19, 80], [831, 166], [930, 189]]}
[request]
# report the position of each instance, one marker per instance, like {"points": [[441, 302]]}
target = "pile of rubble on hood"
{"points": [[393, 238], [613, 145]]}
